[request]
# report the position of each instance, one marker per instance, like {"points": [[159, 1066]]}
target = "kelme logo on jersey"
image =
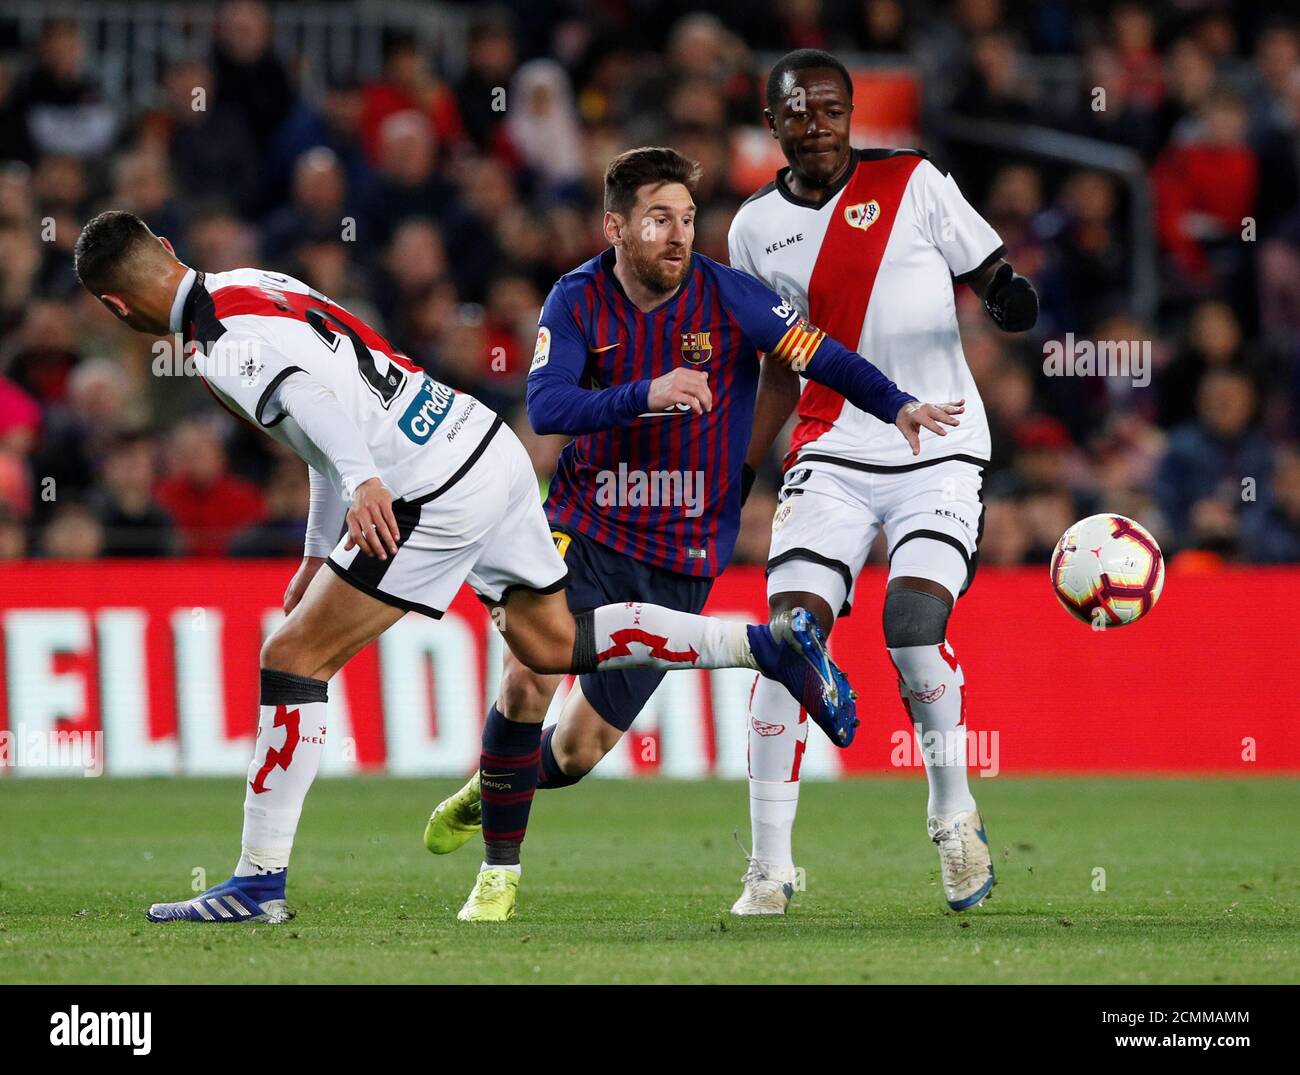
{"points": [[697, 348], [431, 405], [863, 214]]}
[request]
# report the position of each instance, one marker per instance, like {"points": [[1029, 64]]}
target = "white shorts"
{"points": [[830, 513], [484, 526]]}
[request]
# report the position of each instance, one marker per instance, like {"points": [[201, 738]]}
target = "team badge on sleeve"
{"points": [[542, 352], [863, 214], [697, 348]]}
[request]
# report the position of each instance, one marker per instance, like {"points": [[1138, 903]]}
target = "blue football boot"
{"points": [[792, 650], [239, 899]]}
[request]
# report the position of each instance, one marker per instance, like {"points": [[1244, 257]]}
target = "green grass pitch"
{"points": [[631, 881]]}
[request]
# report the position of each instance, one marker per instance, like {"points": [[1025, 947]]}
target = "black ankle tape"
{"points": [[584, 642], [285, 688]]}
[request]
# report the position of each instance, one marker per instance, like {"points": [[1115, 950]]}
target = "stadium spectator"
{"points": [[281, 532], [208, 503], [1218, 456], [79, 429], [317, 207], [132, 521], [491, 54], [1272, 534], [1205, 184], [542, 125], [333, 123], [73, 533], [142, 184], [407, 85], [249, 77], [1213, 341], [57, 106], [208, 145], [409, 184]]}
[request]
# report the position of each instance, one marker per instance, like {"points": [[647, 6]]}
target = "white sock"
{"points": [[516, 868], [778, 730], [290, 742], [634, 635], [933, 689]]}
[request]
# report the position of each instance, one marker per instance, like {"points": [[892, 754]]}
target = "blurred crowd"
{"points": [[441, 209]]}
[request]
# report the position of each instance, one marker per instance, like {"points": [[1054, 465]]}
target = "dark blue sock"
{"points": [[507, 779]]}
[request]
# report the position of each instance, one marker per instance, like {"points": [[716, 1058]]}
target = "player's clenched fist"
{"points": [[916, 416], [371, 524], [681, 388]]}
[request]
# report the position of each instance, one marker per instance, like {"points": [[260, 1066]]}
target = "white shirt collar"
{"points": [[178, 303]]}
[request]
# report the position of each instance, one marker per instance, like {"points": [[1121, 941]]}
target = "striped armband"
{"points": [[798, 345]]}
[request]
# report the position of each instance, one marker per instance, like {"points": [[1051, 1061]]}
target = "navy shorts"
{"points": [[600, 576]]}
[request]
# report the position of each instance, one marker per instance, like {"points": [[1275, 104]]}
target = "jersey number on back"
{"points": [[385, 386]]}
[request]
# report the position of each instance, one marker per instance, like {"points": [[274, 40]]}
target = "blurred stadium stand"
{"points": [[357, 146]]}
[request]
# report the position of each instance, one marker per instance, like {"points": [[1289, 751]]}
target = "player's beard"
{"points": [[654, 274]]}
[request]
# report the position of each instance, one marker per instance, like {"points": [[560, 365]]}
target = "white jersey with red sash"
{"points": [[255, 329], [874, 266]]}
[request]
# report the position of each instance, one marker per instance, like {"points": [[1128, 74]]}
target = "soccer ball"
{"points": [[1107, 571]]}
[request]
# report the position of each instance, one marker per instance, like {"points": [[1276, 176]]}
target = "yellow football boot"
{"points": [[493, 897], [455, 820]]}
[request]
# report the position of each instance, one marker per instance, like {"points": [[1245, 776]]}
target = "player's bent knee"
{"points": [[914, 618], [579, 758], [283, 652]]}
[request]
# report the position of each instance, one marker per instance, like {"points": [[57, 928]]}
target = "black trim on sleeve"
{"points": [[380, 595], [972, 273], [464, 467], [265, 397], [934, 535]]}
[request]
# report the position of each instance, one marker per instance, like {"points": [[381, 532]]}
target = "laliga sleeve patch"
{"points": [[542, 352]]}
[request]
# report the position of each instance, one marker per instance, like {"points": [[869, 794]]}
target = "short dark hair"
{"points": [[630, 171], [104, 247], [803, 60]]}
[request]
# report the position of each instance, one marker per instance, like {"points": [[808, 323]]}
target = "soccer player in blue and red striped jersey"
{"points": [[648, 356]]}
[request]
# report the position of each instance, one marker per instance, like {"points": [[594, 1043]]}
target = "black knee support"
{"points": [[914, 618], [285, 688], [584, 642]]}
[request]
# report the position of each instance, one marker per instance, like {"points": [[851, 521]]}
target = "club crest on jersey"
{"points": [[697, 348], [862, 214]]}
